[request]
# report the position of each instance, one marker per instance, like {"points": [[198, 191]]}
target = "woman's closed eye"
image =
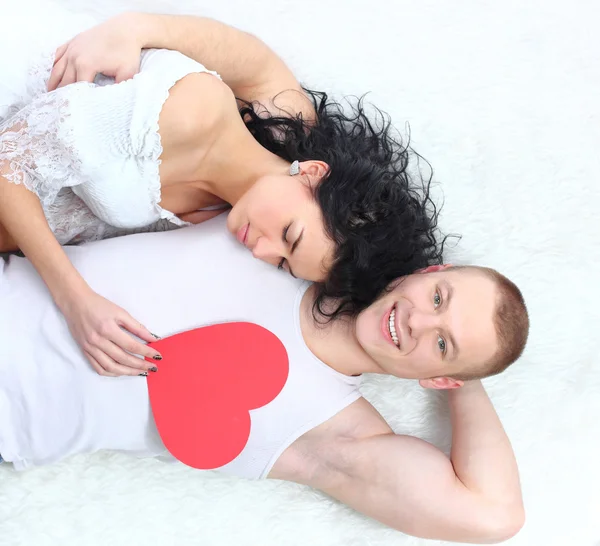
{"points": [[284, 234], [284, 238], [292, 235], [289, 237]]}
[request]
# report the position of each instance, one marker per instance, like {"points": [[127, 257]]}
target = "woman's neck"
{"points": [[236, 161]]}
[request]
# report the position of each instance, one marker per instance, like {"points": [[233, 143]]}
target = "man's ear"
{"points": [[433, 268], [441, 383]]}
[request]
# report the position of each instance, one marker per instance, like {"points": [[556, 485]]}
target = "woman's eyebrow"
{"points": [[297, 241]]}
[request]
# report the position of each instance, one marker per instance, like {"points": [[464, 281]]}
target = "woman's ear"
{"points": [[314, 169]]}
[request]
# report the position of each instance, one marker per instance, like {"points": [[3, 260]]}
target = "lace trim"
{"points": [[154, 187], [38, 73], [37, 150], [37, 145]]}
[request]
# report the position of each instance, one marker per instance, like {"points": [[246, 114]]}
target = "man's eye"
{"points": [[437, 300], [442, 344]]}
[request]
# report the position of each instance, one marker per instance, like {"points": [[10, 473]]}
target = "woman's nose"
{"points": [[266, 250]]}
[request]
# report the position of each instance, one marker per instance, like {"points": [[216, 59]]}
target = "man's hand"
{"points": [[246, 64], [112, 48]]}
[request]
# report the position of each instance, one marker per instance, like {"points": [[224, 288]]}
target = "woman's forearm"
{"points": [[22, 216], [241, 59]]}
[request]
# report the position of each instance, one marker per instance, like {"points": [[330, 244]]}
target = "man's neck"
{"points": [[334, 343]]}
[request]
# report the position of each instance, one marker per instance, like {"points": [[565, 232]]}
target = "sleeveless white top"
{"points": [[52, 403], [89, 151]]}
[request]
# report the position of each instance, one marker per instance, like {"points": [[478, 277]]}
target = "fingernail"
{"points": [[153, 369], [145, 374], [154, 335], [157, 357]]}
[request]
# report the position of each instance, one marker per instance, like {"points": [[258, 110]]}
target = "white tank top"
{"points": [[52, 403]]}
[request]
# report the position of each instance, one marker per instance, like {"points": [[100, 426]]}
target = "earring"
{"points": [[294, 168]]}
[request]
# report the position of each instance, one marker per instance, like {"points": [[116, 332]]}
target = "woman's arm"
{"points": [[23, 218], [246, 64], [94, 321]]}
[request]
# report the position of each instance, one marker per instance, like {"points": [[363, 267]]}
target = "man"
{"points": [[446, 327]]}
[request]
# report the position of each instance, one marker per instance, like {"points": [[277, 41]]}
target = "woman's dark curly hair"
{"points": [[382, 222]]}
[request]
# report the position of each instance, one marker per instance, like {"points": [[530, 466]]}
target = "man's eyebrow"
{"points": [[448, 300]]}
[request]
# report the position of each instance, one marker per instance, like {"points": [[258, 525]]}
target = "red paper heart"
{"points": [[208, 381]]}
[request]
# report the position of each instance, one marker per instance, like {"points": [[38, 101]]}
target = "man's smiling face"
{"points": [[435, 323]]}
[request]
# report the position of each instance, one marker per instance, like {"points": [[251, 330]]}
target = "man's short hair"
{"points": [[511, 322]]}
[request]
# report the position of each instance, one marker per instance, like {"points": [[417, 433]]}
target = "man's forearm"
{"points": [[482, 455], [241, 59]]}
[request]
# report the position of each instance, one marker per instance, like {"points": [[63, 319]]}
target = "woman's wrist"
{"points": [[69, 291]]}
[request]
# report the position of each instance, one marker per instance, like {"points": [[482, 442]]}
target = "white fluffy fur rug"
{"points": [[503, 98]]}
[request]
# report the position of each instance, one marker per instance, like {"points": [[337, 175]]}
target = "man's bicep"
{"points": [[405, 483]]}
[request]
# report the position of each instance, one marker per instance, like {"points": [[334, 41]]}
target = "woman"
{"points": [[91, 161]]}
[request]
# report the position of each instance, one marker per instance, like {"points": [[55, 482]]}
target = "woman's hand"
{"points": [[100, 328], [111, 48], [96, 324]]}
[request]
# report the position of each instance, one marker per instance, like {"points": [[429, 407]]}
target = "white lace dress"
{"points": [[90, 152]]}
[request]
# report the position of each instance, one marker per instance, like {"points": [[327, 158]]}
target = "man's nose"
{"points": [[420, 323]]}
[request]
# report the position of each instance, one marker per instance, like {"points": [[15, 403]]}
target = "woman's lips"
{"points": [[242, 234]]}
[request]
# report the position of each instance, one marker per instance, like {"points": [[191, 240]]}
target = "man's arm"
{"points": [[246, 64], [410, 485]]}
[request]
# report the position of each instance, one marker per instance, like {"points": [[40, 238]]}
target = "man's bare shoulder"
{"points": [[321, 452]]}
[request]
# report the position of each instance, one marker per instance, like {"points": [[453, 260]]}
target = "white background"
{"points": [[503, 98]]}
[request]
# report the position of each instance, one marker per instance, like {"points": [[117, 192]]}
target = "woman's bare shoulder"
{"points": [[197, 104]]}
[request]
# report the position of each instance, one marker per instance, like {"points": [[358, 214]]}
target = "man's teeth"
{"points": [[392, 327]]}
